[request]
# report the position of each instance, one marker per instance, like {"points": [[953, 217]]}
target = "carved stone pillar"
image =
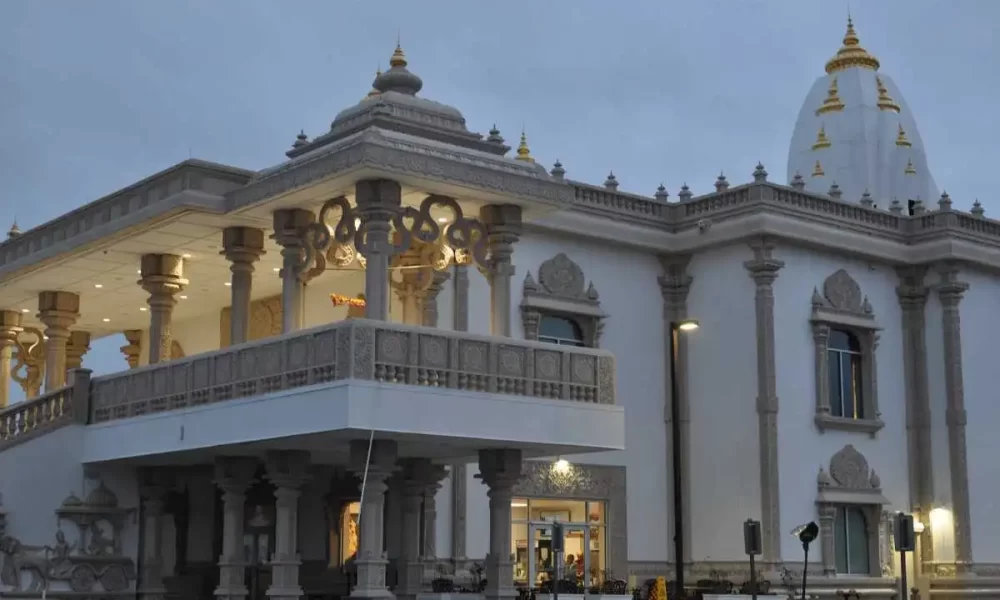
{"points": [[242, 247], [500, 470], [133, 349], [429, 305], [58, 311], [763, 269], [162, 278], [503, 228], [287, 470], [371, 561], [459, 472], [76, 348], [10, 327], [434, 480], [950, 291], [289, 231], [675, 283], [417, 285], [460, 300], [827, 536], [415, 475], [153, 493], [378, 202], [233, 475], [912, 292]]}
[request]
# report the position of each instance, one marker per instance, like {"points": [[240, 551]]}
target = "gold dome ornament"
{"points": [[398, 59], [523, 152], [885, 101], [851, 54], [910, 169], [374, 93], [818, 170], [901, 140], [833, 102], [821, 140]]}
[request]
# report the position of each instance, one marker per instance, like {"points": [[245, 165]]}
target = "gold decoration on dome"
{"points": [[818, 170], [910, 169], [885, 101], [851, 54], [833, 102], [523, 152], [374, 93], [398, 59], [901, 139], [821, 140]]}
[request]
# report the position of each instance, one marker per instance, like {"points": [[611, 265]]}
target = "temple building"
{"points": [[390, 364]]}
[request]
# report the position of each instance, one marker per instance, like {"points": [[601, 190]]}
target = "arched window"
{"points": [[560, 330], [844, 360], [851, 541]]}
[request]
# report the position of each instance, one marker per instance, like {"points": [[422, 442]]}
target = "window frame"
{"points": [[562, 291], [842, 307]]}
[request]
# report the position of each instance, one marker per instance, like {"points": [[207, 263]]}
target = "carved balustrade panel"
{"points": [[359, 349]]}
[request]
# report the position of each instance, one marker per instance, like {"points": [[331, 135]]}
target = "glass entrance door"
{"points": [[575, 561]]}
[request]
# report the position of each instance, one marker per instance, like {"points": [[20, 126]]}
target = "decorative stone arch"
{"points": [[563, 291], [850, 482], [843, 306], [603, 483]]}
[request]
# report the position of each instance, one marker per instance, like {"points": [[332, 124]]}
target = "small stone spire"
{"points": [[834, 191], [977, 209], [759, 173], [818, 170], [661, 194], [685, 193], [885, 101], [721, 184], [832, 103], [523, 152], [300, 140], [495, 136], [901, 139], [918, 207], [896, 207], [798, 182], [374, 93], [557, 170], [821, 140], [910, 169], [14, 230], [611, 183], [866, 199], [944, 202]]}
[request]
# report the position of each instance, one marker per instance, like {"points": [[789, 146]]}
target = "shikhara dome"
{"points": [[856, 130]]}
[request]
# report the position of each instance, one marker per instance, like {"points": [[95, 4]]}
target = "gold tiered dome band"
{"points": [[821, 140], [832, 103], [851, 54]]}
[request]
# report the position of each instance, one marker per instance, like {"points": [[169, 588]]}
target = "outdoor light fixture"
{"points": [[806, 534], [561, 466], [676, 327]]}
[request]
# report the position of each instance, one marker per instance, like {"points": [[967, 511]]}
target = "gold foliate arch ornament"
{"points": [[340, 236], [29, 361]]}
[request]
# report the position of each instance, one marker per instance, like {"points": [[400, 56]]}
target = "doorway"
{"points": [[258, 536], [542, 565]]}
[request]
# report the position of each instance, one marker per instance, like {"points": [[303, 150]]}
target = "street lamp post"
{"points": [[676, 328]]}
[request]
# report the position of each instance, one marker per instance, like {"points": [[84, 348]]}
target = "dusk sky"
{"points": [[98, 94]]}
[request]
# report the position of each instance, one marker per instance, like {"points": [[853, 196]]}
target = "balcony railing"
{"points": [[359, 349], [25, 420]]}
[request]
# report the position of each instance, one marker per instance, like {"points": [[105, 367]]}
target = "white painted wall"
{"points": [[722, 388], [980, 332], [40, 473], [802, 448], [442, 531], [943, 539]]}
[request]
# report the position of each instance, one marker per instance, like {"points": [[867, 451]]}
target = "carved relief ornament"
{"points": [[265, 320], [562, 289], [28, 369]]}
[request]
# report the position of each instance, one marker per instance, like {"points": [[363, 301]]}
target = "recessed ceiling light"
{"points": [[139, 271], [98, 285], [227, 284], [442, 219], [106, 320], [183, 297], [276, 269], [185, 256], [143, 309], [25, 310]]}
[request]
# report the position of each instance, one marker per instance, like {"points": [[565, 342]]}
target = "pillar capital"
{"points": [[287, 468], [383, 457], [10, 327], [78, 345], [58, 311], [242, 245], [289, 226], [162, 275], [133, 349], [234, 473], [500, 468], [503, 229]]}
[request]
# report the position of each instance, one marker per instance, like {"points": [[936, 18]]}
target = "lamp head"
{"points": [[807, 533], [687, 325]]}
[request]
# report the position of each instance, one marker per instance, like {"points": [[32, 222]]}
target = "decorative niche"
{"points": [[561, 300], [845, 336]]}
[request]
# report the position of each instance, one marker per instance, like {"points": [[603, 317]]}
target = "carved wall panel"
{"points": [[265, 320], [585, 482], [562, 289]]}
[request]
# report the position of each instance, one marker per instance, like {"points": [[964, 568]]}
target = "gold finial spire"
{"points": [[885, 101], [821, 140], [523, 152], [851, 54], [818, 170], [901, 139], [375, 91], [398, 59], [833, 103], [910, 169]]}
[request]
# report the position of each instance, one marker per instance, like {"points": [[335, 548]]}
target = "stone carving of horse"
{"points": [[18, 557]]}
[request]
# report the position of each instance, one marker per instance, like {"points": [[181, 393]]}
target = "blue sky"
{"points": [[98, 94]]}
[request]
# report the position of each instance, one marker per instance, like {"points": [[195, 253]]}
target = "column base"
{"points": [[231, 593], [411, 579], [371, 579], [498, 586], [153, 593], [288, 593]]}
